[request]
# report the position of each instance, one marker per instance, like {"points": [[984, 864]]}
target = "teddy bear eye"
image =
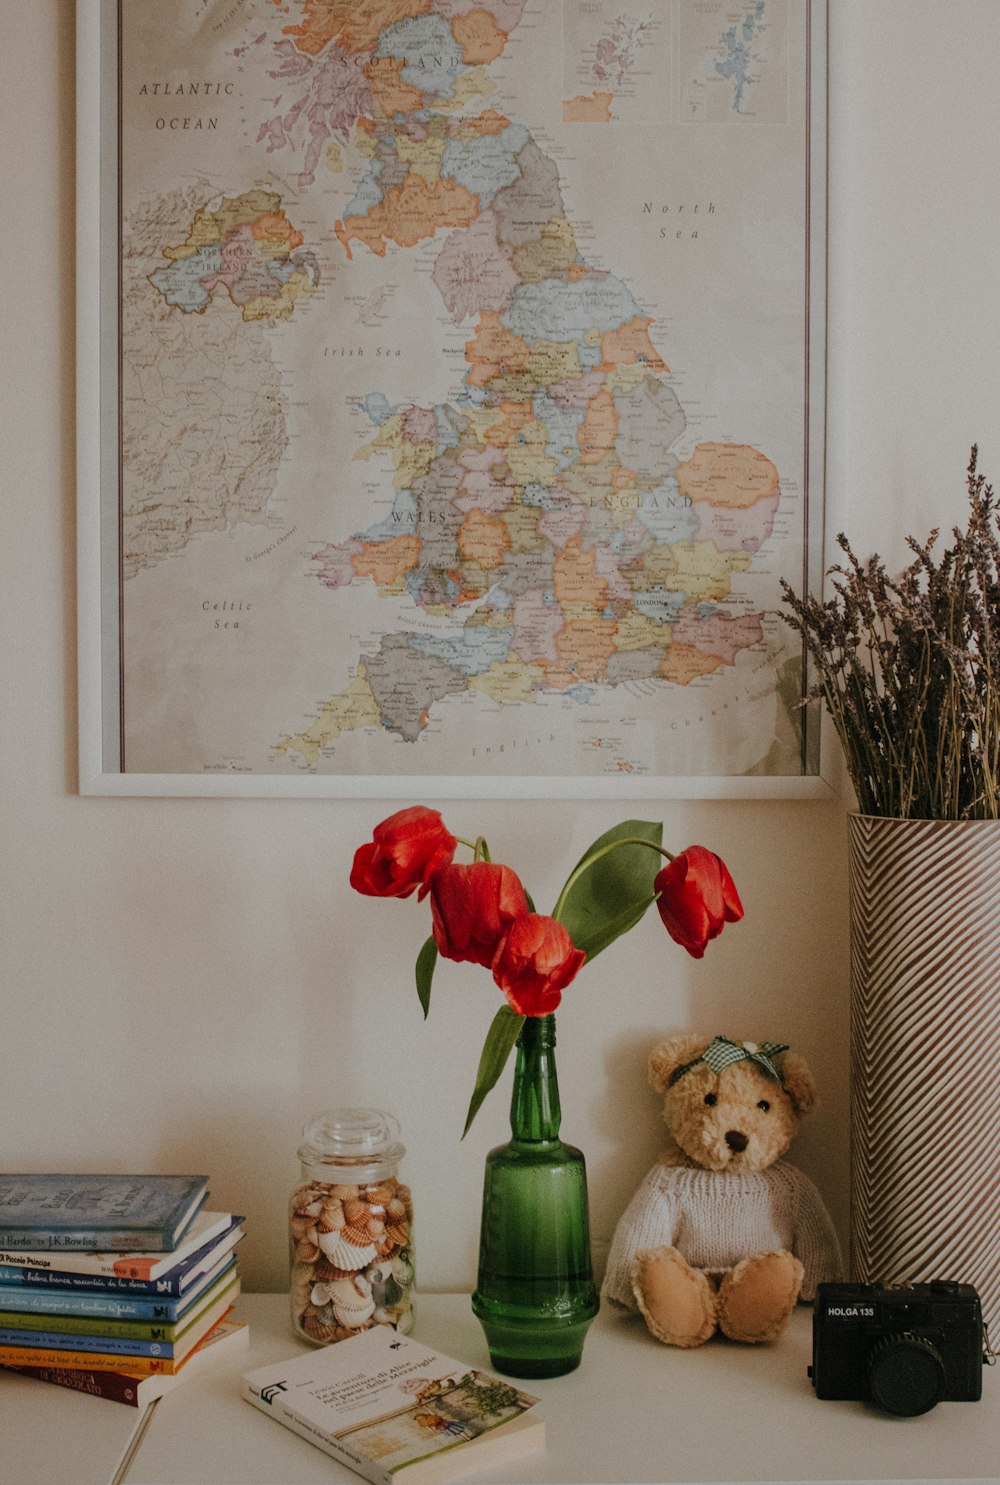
{"points": [[764, 1105], [711, 1099]]}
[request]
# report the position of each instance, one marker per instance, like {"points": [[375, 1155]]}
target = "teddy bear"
{"points": [[723, 1234]]}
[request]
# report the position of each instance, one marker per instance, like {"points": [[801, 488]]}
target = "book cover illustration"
{"points": [[383, 1402], [63, 1212], [435, 1413]]}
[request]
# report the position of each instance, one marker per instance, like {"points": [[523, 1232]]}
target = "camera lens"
{"points": [[906, 1375]]}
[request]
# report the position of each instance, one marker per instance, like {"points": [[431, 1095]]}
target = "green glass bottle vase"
{"points": [[535, 1296]]}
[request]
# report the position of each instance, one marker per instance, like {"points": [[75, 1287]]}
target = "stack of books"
{"points": [[115, 1285]]}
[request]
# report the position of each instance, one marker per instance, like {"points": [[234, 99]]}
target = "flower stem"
{"points": [[480, 850], [588, 862]]}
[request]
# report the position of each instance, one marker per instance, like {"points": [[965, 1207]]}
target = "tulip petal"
{"points": [[534, 963], [697, 896]]}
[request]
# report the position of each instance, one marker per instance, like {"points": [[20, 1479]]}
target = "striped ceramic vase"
{"points": [[925, 1053]]}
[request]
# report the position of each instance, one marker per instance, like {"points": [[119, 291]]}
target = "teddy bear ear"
{"points": [[666, 1058], [798, 1083]]}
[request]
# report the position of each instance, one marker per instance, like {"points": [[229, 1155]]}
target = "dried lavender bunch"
{"points": [[909, 670]]}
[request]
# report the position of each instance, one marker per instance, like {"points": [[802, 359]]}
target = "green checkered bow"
{"points": [[721, 1053]]}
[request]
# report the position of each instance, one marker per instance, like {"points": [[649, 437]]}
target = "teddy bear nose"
{"points": [[737, 1140]]}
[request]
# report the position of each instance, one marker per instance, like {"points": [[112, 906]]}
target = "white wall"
{"points": [[184, 982]]}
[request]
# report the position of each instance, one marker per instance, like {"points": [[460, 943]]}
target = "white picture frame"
{"points": [[101, 674]]}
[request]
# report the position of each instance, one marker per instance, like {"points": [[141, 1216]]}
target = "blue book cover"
{"points": [[175, 1283], [53, 1302], [67, 1213], [129, 1327]]}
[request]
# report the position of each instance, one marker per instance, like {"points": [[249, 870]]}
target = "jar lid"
{"points": [[361, 1142]]}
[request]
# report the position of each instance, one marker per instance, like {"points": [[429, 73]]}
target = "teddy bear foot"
{"points": [[758, 1295], [678, 1302]]}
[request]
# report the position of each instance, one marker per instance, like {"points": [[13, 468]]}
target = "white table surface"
{"points": [[635, 1411]]}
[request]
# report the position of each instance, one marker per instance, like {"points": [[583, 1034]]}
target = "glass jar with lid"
{"points": [[350, 1228]]}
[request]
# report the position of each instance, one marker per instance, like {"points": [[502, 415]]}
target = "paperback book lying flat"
{"points": [[60, 1212], [390, 1407]]}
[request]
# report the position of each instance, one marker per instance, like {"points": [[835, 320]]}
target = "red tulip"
{"points": [[535, 962], [406, 852], [696, 897], [472, 907]]}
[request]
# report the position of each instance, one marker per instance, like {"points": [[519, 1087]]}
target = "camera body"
{"points": [[903, 1349]]}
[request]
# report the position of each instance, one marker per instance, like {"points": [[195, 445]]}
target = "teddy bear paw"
{"points": [[758, 1295], [677, 1301]]}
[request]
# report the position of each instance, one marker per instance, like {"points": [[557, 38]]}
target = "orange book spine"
{"points": [[145, 1366]]}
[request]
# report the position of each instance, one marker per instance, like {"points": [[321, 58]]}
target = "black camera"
{"points": [[903, 1349]]}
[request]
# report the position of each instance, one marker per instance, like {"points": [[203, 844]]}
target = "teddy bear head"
{"points": [[731, 1105]]}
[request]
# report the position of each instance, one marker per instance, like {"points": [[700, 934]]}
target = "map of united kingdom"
{"points": [[541, 522], [458, 436]]}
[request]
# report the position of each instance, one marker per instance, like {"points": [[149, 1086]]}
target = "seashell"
{"points": [[355, 1210], [403, 1270], [405, 1322], [346, 1193], [376, 1229], [321, 1294], [395, 1208], [397, 1235], [354, 1320], [378, 1195], [320, 1330], [344, 1254], [357, 1234], [331, 1219], [386, 1289], [352, 1301], [305, 1251], [352, 1293], [299, 1227]]}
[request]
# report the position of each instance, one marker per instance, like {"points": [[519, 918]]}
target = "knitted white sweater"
{"points": [[716, 1218]]}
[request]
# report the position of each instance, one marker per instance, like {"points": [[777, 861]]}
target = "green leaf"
{"points": [[611, 886], [426, 960], [503, 1033]]}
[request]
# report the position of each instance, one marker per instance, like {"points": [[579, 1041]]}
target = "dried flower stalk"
{"points": [[909, 670]]}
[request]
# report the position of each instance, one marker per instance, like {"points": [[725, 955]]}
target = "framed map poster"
{"points": [[451, 395]]}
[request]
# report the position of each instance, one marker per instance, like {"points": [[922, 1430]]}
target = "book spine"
{"points": [[108, 1284], [121, 1387], [84, 1239], [277, 1410], [129, 1330], [55, 1302], [83, 1360], [97, 1265], [108, 1345]]}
